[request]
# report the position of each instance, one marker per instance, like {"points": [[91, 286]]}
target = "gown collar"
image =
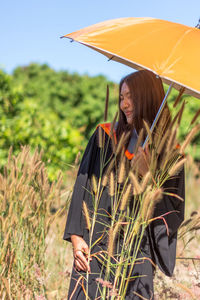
{"points": [[129, 152]]}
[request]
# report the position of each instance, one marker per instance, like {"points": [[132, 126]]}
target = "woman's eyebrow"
{"points": [[127, 93]]}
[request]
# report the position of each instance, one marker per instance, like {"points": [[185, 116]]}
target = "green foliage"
{"points": [[79, 99], [25, 120]]}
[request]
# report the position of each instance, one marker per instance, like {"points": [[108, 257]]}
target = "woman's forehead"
{"points": [[124, 88]]}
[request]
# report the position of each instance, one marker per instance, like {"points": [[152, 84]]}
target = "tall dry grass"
{"points": [[27, 205], [47, 269]]}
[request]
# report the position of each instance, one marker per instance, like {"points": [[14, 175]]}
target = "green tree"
{"points": [[24, 121], [79, 99]]}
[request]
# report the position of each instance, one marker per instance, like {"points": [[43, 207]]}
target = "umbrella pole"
{"points": [[158, 114]]}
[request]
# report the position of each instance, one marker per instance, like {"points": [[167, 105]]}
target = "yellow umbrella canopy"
{"points": [[169, 49]]}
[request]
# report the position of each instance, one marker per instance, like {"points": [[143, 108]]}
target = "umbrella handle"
{"points": [[158, 114]]}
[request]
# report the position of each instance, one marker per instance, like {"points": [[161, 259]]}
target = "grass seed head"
{"points": [[145, 180], [162, 142], [94, 184], [172, 141], [112, 184], [189, 137], [175, 169], [145, 206], [87, 216], [121, 143], [181, 113], [179, 96], [100, 137], [125, 197], [104, 180], [195, 117], [156, 196], [135, 230], [148, 131], [137, 189], [122, 171]]}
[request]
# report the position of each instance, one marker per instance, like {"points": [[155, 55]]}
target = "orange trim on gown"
{"points": [[107, 128]]}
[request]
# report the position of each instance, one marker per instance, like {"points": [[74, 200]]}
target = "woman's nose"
{"points": [[125, 103]]}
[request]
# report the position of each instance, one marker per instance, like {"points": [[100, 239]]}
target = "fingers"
{"points": [[78, 265], [81, 251], [144, 153], [141, 150], [81, 259], [140, 154], [146, 150], [141, 161], [86, 249]]}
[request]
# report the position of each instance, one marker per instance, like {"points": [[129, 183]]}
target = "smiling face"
{"points": [[126, 103], [140, 96]]}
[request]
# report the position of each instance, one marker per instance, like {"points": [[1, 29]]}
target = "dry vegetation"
{"points": [[27, 205], [35, 267]]}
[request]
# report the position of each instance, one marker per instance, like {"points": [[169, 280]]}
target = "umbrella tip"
{"points": [[198, 25], [63, 36]]}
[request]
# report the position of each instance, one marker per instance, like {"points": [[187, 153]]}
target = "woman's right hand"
{"points": [[142, 160], [81, 251]]}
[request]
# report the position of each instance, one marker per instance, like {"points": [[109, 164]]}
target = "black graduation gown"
{"points": [[156, 243]]}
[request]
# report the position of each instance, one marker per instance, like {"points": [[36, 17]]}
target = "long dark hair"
{"points": [[147, 93]]}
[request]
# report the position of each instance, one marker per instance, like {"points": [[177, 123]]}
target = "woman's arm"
{"points": [[74, 223]]}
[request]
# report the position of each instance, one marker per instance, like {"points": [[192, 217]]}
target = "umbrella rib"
{"points": [[111, 58]]}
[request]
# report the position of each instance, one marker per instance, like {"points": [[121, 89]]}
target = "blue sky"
{"points": [[30, 30]]}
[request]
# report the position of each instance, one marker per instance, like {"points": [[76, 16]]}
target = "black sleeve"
{"points": [[163, 243], [90, 165], [74, 224]]}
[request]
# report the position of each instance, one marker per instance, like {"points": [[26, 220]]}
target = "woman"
{"points": [[140, 96]]}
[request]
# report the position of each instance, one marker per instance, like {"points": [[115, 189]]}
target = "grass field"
{"points": [[36, 263]]}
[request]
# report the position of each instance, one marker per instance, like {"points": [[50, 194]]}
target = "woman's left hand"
{"points": [[141, 160]]}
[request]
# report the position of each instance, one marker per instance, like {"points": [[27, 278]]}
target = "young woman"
{"points": [[140, 96]]}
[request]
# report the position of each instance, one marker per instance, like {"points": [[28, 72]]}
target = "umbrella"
{"points": [[170, 50]]}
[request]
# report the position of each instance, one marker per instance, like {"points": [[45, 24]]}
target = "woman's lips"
{"points": [[128, 113]]}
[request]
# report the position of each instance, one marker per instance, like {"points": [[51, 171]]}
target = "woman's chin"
{"points": [[129, 121]]}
